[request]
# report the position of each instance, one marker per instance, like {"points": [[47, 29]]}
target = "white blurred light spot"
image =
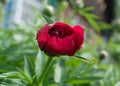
{"points": [[58, 73], [18, 37]]}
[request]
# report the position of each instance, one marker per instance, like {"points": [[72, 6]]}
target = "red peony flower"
{"points": [[60, 38]]}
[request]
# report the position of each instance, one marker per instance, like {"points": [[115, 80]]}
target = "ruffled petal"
{"points": [[78, 36], [62, 24], [43, 36], [60, 38], [57, 46], [66, 29]]}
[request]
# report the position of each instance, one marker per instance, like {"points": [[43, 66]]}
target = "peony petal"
{"points": [[52, 46], [42, 36], [78, 36], [68, 46], [67, 42], [57, 46], [66, 28], [63, 25]]}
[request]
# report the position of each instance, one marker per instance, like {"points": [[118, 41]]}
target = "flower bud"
{"points": [[103, 54], [48, 10]]}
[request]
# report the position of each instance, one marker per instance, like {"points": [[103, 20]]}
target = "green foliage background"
{"points": [[97, 64]]}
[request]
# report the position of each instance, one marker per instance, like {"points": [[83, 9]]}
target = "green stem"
{"points": [[41, 78]]}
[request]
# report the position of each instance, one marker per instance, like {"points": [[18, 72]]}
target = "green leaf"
{"points": [[27, 78], [105, 26], [49, 20], [92, 19], [83, 80], [46, 70], [88, 60], [90, 8], [28, 67], [94, 24], [50, 73], [96, 71], [40, 21], [78, 70], [74, 5], [39, 63], [6, 67], [11, 82], [88, 15], [15, 74], [57, 72], [52, 84]]}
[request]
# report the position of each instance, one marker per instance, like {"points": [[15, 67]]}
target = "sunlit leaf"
{"points": [[39, 63], [59, 72]]}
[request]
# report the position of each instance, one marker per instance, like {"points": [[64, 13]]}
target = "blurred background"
{"points": [[21, 19]]}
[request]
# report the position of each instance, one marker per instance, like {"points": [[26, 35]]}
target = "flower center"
{"points": [[60, 32], [55, 32]]}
